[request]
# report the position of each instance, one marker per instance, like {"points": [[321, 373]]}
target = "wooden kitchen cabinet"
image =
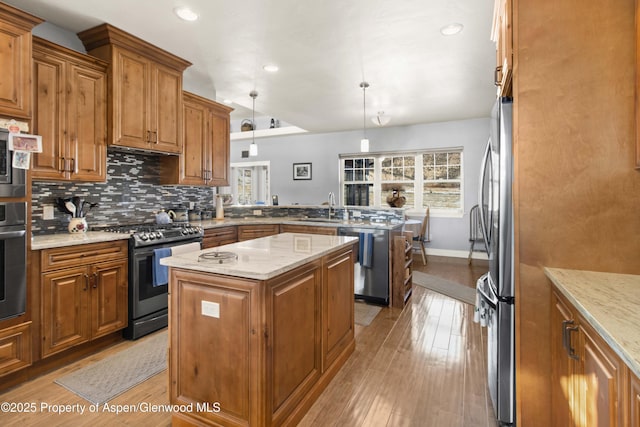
{"points": [[248, 232], [308, 229], [502, 35], [402, 270], [634, 400], [589, 379], [277, 343], [15, 57], [84, 294], [15, 348], [205, 158], [70, 113], [145, 89], [219, 236]]}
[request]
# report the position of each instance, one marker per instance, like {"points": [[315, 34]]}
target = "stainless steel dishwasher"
{"points": [[371, 283]]}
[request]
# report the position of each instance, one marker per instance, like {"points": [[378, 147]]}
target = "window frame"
{"points": [[418, 181]]}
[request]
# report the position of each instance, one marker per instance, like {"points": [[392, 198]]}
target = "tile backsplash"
{"points": [[132, 194]]}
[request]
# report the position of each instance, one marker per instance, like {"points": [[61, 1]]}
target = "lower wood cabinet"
{"points": [[263, 350], [219, 236], [84, 301], [634, 400], [308, 229], [15, 348], [248, 232], [590, 382]]}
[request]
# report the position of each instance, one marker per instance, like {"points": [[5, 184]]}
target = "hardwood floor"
{"points": [[424, 366]]}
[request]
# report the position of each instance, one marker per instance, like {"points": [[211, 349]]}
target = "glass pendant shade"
{"points": [[364, 145], [253, 149]]}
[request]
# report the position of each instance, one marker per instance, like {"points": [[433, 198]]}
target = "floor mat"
{"points": [[445, 287]]}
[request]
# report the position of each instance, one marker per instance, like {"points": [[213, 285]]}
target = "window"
{"points": [[425, 178], [249, 183]]}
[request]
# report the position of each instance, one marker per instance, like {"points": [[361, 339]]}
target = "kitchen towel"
{"points": [[159, 272], [181, 249], [366, 249]]}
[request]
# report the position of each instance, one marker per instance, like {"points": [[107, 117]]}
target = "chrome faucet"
{"points": [[332, 204]]}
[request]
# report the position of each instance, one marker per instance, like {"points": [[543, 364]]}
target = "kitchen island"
{"points": [[254, 341]]}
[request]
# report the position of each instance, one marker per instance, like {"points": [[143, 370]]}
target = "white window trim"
{"points": [[377, 180]]}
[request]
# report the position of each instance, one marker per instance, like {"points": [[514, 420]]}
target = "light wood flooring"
{"points": [[424, 366]]}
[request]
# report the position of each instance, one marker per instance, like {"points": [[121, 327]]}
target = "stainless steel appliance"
{"points": [[13, 260], [148, 303], [497, 286], [12, 180], [371, 283]]}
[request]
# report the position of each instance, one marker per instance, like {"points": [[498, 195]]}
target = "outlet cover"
{"points": [[47, 212], [257, 212]]}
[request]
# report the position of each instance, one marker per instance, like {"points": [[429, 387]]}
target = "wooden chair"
{"points": [[423, 237]]}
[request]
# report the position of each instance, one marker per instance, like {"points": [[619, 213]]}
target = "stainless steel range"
{"points": [[148, 298]]}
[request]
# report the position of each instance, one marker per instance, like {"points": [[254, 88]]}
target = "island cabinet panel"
{"points": [[308, 229], [295, 362], [264, 350], [216, 332], [634, 401], [338, 320]]}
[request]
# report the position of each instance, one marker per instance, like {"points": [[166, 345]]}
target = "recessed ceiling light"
{"points": [[451, 29], [272, 68], [185, 13]]}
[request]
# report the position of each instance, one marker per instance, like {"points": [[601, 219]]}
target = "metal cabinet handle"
{"points": [[86, 282], [566, 338], [155, 137], [148, 137], [72, 169], [95, 280], [497, 76]]}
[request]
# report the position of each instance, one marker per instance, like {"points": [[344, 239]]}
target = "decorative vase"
{"points": [[395, 200], [77, 225]]}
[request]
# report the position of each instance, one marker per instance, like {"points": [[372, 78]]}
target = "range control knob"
{"points": [[152, 236], [184, 231], [144, 237], [158, 235]]}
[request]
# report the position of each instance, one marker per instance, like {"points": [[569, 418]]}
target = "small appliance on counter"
{"points": [[179, 214]]}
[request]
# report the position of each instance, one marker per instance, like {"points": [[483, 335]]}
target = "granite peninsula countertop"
{"points": [[47, 241], [610, 302], [265, 257]]}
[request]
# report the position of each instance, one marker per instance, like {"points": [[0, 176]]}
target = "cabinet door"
{"points": [[48, 118], [131, 99], [634, 400], [248, 232], [195, 139], [86, 118], [65, 309], [564, 369], [108, 297], [165, 119], [337, 307], [604, 386], [15, 348], [220, 146], [15, 57]]}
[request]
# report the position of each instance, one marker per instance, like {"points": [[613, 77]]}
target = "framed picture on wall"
{"points": [[301, 171]]}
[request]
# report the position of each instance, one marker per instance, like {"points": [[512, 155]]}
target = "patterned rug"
{"points": [[112, 376], [445, 287], [365, 313]]}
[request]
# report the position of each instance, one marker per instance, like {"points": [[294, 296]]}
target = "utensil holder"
{"points": [[77, 225]]}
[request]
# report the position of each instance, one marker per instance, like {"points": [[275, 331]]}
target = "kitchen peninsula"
{"points": [[254, 341]]}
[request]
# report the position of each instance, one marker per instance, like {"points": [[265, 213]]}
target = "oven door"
{"points": [[13, 271], [144, 298]]}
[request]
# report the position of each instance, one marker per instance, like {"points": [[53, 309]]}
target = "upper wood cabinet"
{"points": [[145, 84], [15, 57], [206, 145], [70, 113], [502, 35]]}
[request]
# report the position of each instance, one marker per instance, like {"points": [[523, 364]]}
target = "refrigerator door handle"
{"points": [[482, 287], [483, 168]]}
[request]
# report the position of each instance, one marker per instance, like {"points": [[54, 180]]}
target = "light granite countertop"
{"points": [[265, 257], [70, 239], [610, 303], [47, 241]]}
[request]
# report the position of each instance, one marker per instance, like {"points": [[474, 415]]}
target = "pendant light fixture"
{"points": [[253, 148], [364, 142]]}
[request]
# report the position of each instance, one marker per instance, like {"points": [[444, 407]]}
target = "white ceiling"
{"points": [[324, 49]]}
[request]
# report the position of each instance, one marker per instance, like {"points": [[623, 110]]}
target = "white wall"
{"points": [[322, 151]]}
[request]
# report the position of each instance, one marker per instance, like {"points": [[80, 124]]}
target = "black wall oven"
{"points": [[13, 260]]}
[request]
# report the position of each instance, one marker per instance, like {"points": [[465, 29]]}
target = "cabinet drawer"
{"points": [[70, 256], [219, 236], [309, 229], [248, 232], [15, 348]]}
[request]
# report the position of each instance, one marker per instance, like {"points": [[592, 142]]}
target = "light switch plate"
{"points": [[47, 212], [211, 309]]}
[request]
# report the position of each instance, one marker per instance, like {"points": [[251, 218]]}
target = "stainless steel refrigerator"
{"points": [[496, 288]]}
